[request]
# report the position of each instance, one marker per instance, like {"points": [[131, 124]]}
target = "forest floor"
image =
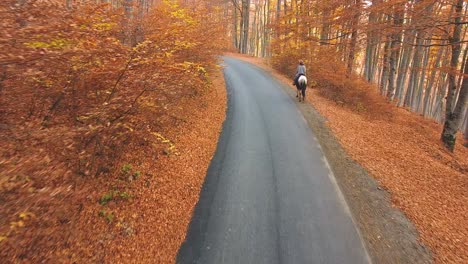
{"points": [[137, 213], [405, 157], [159, 215]]}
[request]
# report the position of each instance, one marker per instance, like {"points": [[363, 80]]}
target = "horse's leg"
{"points": [[303, 94]]}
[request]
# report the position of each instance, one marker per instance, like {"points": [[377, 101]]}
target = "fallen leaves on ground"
{"points": [[166, 195], [138, 213], [404, 154]]}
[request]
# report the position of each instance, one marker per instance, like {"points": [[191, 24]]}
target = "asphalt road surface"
{"points": [[269, 196]]}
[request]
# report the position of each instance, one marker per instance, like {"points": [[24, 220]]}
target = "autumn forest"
{"points": [[108, 104], [413, 52]]}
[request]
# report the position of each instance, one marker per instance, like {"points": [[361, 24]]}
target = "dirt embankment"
{"points": [[409, 169]]}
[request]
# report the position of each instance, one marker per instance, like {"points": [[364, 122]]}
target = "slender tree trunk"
{"points": [[465, 54], [405, 61], [266, 36], [385, 68], [430, 83], [415, 72], [325, 32], [422, 90], [452, 118], [372, 44], [394, 54], [235, 29], [255, 34], [354, 27], [241, 27], [245, 25], [278, 10]]}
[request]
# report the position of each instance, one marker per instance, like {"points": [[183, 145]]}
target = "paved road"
{"points": [[269, 196]]}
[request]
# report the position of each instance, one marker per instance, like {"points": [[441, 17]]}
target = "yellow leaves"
{"points": [[193, 67], [171, 4], [175, 11], [21, 221], [14, 224], [23, 216], [148, 103], [43, 82], [104, 26], [59, 43], [187, 65], [128, 127], [171, 148], [140, 47], [26, 215], [201, 70], [183, 16], [312, 83], [83, 118], [184, 44]]}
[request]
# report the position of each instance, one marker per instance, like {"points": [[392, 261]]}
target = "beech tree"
{"points": [[453, 115], [413, 51]]}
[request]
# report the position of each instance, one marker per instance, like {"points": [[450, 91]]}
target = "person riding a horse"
{"points": [[301, 70], [300, 81]]}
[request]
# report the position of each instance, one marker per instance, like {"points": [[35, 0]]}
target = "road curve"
{"points": [[269, 195]]}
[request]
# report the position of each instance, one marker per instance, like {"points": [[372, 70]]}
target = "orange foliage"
{"points": [[329, 73], [74, 96]]}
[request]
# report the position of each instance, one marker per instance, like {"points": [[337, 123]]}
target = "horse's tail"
{"points": [[302, 81]]}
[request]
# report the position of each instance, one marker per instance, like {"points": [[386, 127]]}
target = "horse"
{"points": [[301, 88]]}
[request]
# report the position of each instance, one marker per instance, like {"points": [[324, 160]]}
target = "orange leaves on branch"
{"points": [[80, 86]]}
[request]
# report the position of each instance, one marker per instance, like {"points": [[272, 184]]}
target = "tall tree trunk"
{"points": [[405, 61], [394, 53], [413, 88], [415, 64], [325, 32], [424, 54], [452, 118], [245, 25], [255, 34], [354, 27], [267, 35], [372, 43], [235, 29], [278, 10], [385, 68], [430, 83], [422, 89]]}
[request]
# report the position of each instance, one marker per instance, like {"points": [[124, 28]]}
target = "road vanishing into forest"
{"points": [[269, 195]]}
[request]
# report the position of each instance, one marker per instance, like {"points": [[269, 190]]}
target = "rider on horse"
{"points": [[301, 70]]}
